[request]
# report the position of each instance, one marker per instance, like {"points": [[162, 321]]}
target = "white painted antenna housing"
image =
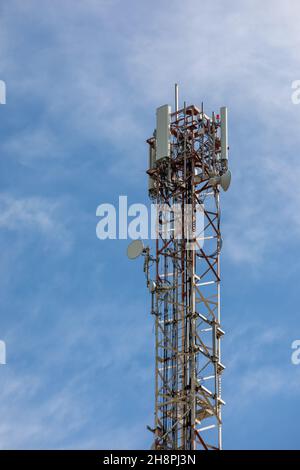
{"points": [[163, 117], [224, 133]]}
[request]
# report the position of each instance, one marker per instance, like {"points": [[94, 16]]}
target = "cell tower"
{"points": [[188, 164]]}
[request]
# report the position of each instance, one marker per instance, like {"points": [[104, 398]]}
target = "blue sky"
{"points": [[83, 81]]}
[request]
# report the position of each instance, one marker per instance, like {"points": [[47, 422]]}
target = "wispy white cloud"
{"points": [[103, 85], [258, 360], [28, 145], [36, 214], [85, 74], [51, 404]]}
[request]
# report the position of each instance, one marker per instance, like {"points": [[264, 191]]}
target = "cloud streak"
{"points": [[83, 84]]}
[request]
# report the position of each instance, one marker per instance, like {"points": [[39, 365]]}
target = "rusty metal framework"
{"points": [[186, 290]]}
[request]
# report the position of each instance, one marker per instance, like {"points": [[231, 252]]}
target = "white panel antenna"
{"points": [[163, 117]]}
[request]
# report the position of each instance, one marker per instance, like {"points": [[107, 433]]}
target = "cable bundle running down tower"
{"points": [[188, 163]]}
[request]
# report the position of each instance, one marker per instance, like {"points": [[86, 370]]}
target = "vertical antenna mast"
{"points": [[176, 97], [188, 165]]}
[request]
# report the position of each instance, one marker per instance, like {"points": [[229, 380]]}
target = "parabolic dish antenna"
{"points": [[225, 180], [135, 249]]}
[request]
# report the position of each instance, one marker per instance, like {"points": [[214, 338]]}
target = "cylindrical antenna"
{"points": [[176, 97], [224, 133]]}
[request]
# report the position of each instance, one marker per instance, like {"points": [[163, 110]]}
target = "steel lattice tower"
{"points": [[188, 165]]}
